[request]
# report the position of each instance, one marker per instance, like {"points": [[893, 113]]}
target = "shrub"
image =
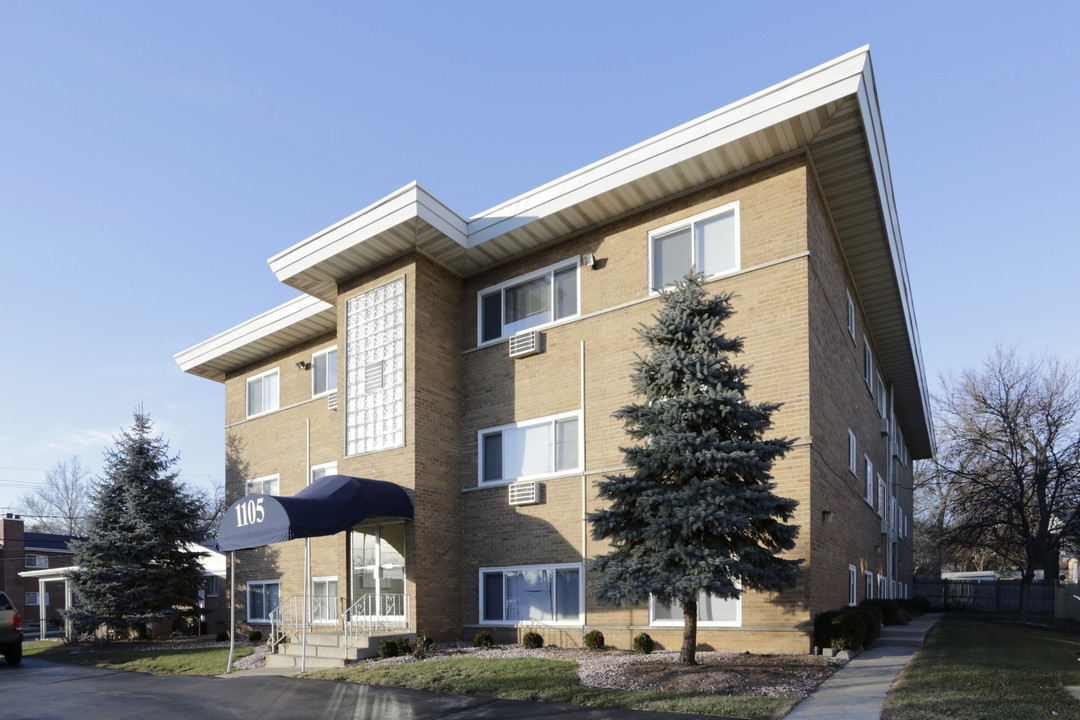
{"points": [[388, 649], [594, 640], [823, 628], [255, 636], [483, 639], [423, 646], [404, 646], [222, 636], [872, 621], [922, 602], [848, 630], [532, 640], [643, 643], [890, 609]]}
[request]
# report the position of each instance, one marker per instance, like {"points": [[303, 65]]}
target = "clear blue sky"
{"points": [[154, 155]]}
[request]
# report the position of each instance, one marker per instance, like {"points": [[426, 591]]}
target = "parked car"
{"points": [[11, 632]]}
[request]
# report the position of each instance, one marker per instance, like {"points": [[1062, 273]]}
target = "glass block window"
{"points": [[375, 369]]}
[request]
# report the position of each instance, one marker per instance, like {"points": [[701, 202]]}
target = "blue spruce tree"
{"points": [[696, 513], [134, 566]]}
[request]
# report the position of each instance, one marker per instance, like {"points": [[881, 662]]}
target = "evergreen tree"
{"points": [[134, 566], [696, 514]]}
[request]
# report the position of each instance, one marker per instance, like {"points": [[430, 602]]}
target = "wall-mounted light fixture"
{"points": [[589, 260], [826, 516], [303, 365]]}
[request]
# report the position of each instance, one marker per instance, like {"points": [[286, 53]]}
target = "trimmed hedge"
{"points": [[594, 640], [847, 630], [532, 640], [643, 643], [483, 639], [872, 618], [891, 609]]}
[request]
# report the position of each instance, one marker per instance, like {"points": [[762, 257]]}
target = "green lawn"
{"points": [[975, 668], [165, 661], [549, 681]]}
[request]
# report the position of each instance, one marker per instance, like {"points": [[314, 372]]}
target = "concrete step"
{"points": [[321, 651], [313, 663]]}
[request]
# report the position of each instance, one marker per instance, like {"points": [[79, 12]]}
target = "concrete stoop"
{"points": [[326, 650]]}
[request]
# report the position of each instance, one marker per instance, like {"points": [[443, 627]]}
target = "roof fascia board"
{"points": [[871, 117], [831, 81], [290, 313], [411, 201]]}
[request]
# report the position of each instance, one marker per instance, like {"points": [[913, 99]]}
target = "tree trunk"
{"points": [[687, 655], [1025, 591]]}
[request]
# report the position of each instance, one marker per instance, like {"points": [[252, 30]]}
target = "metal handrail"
{"points": [[376, 613], [324, 612]]}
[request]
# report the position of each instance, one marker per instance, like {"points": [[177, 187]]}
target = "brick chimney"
{"points": [[12, 557]]}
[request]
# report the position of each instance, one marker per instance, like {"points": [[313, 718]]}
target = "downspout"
{"points": [[307, 552], [584, 499], [232, 608], [890, 493]]}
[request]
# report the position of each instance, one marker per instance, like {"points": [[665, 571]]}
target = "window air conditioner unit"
{"points": [[331, 400], [884, 426], [524, 493], [524, 344]]}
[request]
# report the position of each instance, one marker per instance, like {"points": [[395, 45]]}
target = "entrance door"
{"points": [[378, 569]]}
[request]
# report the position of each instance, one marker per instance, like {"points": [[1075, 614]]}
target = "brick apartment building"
{"points": [[476, 363], [22, 551]]}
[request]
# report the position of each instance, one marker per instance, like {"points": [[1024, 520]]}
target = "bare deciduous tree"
{"points": [[60, 505], [1009, 447], [212, 507]]}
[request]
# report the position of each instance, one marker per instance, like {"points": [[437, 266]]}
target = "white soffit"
{"points": [[293, 322]]}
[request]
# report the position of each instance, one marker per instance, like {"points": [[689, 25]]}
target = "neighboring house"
{"points": [[477, 361], [22, 551]]}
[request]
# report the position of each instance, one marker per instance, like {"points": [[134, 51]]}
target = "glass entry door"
{"points": [[378, 569]]}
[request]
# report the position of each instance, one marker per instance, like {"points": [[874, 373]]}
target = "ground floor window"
{"points": [[378, 569], [853, 586], [536, 593], [869, 582], [32, 598], [263, 597], [324, 600], [714, 611]]}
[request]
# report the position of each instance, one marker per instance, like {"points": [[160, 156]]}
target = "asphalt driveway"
{"points": [[42, 690]]}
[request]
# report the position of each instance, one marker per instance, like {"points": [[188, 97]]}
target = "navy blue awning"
{"points": [[329, 505]]}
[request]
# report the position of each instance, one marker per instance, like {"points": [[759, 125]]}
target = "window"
{"points": [[378, 569], [268, 485], [852, 452], [535, 448], [707, 243], [714, 611], [881, 496], [892, 588], [881, 587], [850, 315], [324, 600], [869, 480], [33, 597], [37, 561], [882, 397], [324, 372], [375, 369], [868, 584], [551, 594], [321, 471], [263, 598], [853, 585], [529, 301], [262, 393], [211, 586], [868, 364]]}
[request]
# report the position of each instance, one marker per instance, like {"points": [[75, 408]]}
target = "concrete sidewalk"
{"points": [[857, 691]]}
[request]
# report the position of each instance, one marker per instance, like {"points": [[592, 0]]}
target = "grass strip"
{"points": [[194, 661], [550, 681], [971, 668]]}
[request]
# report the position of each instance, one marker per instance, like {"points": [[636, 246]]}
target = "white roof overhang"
{"points": [[831, 112], [300, 319]]}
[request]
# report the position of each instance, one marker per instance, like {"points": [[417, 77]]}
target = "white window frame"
{"points": [[212, 586], [882, 396], [36, 597], [869, 467], [868, 364], [868, 583], [247, 596], [330, 468], [851, 316], [892, 589], [541, 623], [247, 393], [549, 419], [315, 393], [853, 453], [262, 480], [853, 585], [332, 618], [882, 587], [40, 560], [732, 207], [737, 622], [574, 262], [881, 496]]}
